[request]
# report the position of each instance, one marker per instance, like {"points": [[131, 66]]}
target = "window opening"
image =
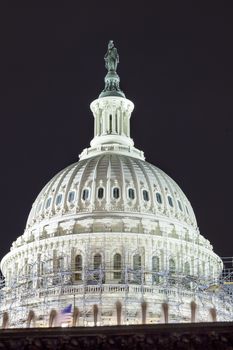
{"points": [[131, 193], [59, 199], [137, 261], [116, 192], [100, 192], [145, 195], [85, 194], [48, 203], [110, 123], [180, 206], [117, 266], [71, 196], [97, 262], [78, 267], [159, 198], [170, 201], [155, 269]]}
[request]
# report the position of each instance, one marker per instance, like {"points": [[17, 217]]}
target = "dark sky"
{"points": [[176, 62]]}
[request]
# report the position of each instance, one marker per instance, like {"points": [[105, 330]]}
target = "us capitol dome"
{"points": [[111, 228]]}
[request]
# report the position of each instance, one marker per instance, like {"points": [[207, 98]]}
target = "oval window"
{"points": [[159, 198], [71, 196], [116, 192], [170, 201], [59, 199], [85, 194], [48, 203], [145, 195], [131, 193], [100, 192], [180, 206]]}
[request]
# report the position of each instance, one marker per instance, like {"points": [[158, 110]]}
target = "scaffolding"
{"points": [[43, 285]]}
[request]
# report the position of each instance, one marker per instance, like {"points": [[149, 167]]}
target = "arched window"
{"points": [[155, 269], [42, 268], [203, 267], [155, 263], [159, 198], [71, 196], [59, 199], [172, 266], [116, 192], [211, 271], [116, 122], [187, 268], [60, 263], [180, 206], [85, 194], [117, 266], [137, 273], [145, 195], [48, 203], [172, 270], [110, 124], [78, 262], [170, 201], [100, 192], [78, 267], [97, 261], [137, 262], [131, 193], [187, 274], [187, 211]]}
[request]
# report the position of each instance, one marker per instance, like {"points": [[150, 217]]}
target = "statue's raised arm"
{"points": [[111, 58]]}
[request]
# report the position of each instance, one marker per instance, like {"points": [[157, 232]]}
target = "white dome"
{"points": [[111, 227], [154, 191]]}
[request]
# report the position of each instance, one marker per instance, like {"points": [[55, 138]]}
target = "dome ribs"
{"points": [[85, 179], [70, 183], [109, 170], [101, 180], [63, 175], [93, 184], [148, 182], [127, 165], [155, 172]]}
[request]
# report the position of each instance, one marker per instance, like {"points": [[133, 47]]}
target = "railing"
{"points": [[119, 288]]}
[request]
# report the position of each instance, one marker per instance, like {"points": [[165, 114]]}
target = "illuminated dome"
{"points": [[111, 184], [111, 228]]}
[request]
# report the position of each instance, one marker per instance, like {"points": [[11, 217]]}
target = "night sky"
{"points": [[176, 65]]}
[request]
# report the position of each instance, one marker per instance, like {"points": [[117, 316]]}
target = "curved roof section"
{"points": [[88, 186]]}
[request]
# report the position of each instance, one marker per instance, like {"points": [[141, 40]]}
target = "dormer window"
{"points": [[170, 201], [145, 195], [100, 193], [116, 192], [71, 196], [85, 194], [59, 199], [131, 193]]}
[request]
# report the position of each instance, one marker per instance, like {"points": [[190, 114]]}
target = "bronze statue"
{"points": [[111, 58]]}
